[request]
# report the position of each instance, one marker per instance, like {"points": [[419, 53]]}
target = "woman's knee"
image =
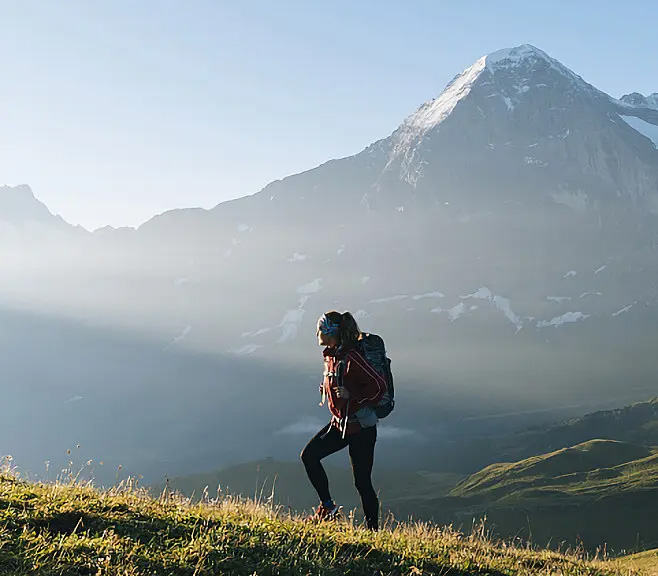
{"points": [[308, 455]]}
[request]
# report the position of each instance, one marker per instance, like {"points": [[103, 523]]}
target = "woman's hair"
{"points": [[348, 331]]}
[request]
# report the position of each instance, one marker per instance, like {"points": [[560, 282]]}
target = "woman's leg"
{"points": [[362, 456], [325, 442]]}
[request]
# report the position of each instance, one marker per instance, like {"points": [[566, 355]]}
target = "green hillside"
{"points": [[599, 493], [590, 468], [72, 530], [646, 562]]}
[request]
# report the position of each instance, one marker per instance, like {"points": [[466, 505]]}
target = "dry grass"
{"points": [[66, 528]]}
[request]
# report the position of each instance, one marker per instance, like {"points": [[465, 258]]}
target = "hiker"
{"points": [[352, 388]]}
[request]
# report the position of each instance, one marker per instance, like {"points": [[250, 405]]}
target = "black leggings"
{"points": [[362, 452]]}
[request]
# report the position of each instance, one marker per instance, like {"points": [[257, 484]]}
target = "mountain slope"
{"points": [[520, 195], [591, 468], [73, 530], [21, 212]]}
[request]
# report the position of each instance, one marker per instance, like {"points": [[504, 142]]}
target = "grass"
{"points": [[78, 530], [646, 562]]}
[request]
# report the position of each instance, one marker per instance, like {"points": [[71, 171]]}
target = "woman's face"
{"points": [[325, 340]]}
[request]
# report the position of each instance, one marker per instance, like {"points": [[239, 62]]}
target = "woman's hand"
{"points": [[342, 392]]}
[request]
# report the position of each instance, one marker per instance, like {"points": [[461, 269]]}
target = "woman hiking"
{"points": [[352, 388]]}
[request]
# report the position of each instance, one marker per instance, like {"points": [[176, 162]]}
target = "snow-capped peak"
{"points": [[515, 55], [528, 56], [637, 100], [506, 74], [435, 111]]}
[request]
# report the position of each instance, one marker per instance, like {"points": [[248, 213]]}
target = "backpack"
{"points": [[374, 351]]}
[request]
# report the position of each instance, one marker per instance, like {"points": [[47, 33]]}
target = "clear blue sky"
{"points": [[115, 110]]}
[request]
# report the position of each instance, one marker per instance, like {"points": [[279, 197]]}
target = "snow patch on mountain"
{"points": [[531, 56], [436, 294], [624, 309], [503, 304], [297, 257], [311, 288], [643, 127], [435, 111], [255, 333], [558, 299], [290, 324], [246, 349], [389, 299], [567, 318], [535, 162], [453, 313]]}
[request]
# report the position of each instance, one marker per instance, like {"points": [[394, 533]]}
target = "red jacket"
{"points": [[363, 383]]}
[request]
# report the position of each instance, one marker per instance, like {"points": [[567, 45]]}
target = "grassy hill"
{"points": [[591, 468], [646, 562], [56, 529], [597, 493]]}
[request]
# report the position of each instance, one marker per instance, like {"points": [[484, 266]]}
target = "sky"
{"points": [[114, 111]]}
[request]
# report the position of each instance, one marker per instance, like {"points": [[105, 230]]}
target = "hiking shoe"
{"points": [[323, 513]]}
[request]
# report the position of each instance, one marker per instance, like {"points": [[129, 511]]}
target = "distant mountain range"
{"points": [[503, 240]]}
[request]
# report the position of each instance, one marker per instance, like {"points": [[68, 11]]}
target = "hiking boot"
{"points": [[323, 513]]}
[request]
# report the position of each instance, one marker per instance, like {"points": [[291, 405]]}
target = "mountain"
{"points": [[521, 205], [21, 212], [637, 100], [503, 240], [30, 234]]}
